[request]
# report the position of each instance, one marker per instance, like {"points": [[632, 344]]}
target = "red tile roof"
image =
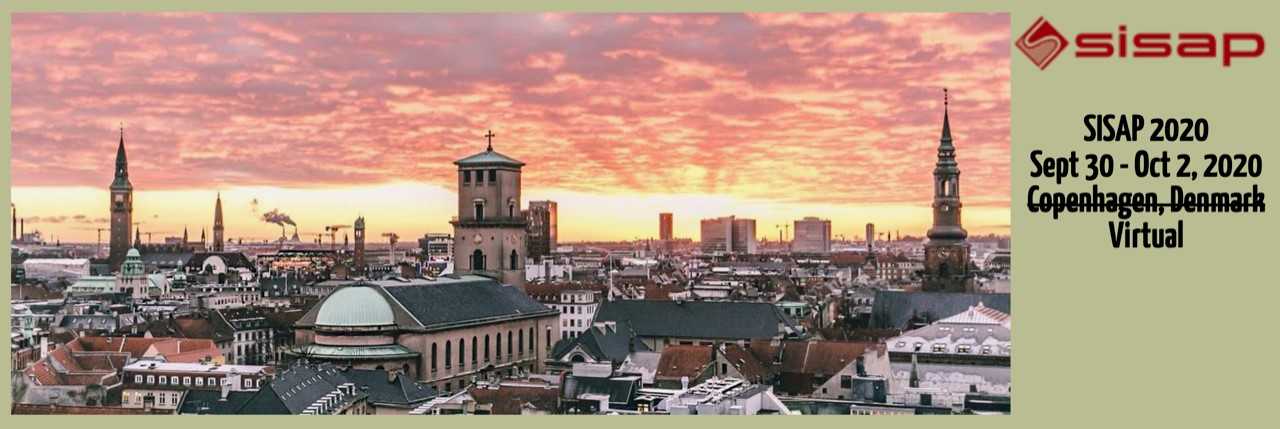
{"points": [[29, 409], [510, 400], [683, 361]]}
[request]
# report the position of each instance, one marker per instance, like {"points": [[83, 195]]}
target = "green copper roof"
{"points": [[355, 305], [489, 157]]}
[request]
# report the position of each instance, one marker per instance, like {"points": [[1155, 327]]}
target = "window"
{"points": [[901, 344], [137, 399], [164, 380], [160, 399], [199, 381], [248, 383], [964, 349], [531, 340], [448, 354], [479, 177], [477, 260], [479, 206], [846, 382], [986, 350], [462, 353], [497, 347], [475, 353], [939, 348], [466, 177], [521, 342], [513, 260], [433, 356], [548, 337], [448, 387], [493, 176], [137, 379], [186, 381], [173, 398], [212, 381], [486, 348], [509, 340], [724, 368]]}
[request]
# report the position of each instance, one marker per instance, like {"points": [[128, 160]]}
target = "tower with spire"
{"points": [[946, 255], [218, 239], [121, 209]]}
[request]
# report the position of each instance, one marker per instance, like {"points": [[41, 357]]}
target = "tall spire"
{"points": [[946, 121], [217, 224], [122, 165]]}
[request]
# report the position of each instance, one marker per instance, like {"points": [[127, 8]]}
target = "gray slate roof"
{"points": [[894, 309], [471, 299], [296, 388], [698, 319], [612, 346]]}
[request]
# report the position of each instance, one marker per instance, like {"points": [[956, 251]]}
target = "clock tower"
{"points": [[121, 209], [490, 231], [946, 255]]}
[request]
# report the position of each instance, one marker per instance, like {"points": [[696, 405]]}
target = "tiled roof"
{"points": [[745, 362], [683, 361], [511, 400], [29, 409]]}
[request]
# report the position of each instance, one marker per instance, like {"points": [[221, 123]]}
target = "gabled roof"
{"points": [[401, 392], [488, 157], [699, 319], [602, 343]]}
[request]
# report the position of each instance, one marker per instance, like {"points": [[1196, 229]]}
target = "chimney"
{"points": [[44, 347], [226, 389]]}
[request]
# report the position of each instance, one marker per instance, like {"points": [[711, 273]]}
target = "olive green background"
{"points": [[1105, 336]]}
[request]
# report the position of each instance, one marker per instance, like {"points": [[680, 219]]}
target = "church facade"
{"points": [[490, 230], [946, 255]]}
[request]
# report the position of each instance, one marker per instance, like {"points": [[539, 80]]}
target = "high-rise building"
{"points": [[542, 229], [812, 235], [729, 235], [121, 209], [665, 231], [490, 231], [218, 239], [946, 255]]}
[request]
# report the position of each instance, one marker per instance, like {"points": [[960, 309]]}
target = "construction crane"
{"points": [[99, 235], [148, 233], [332, 232], [392, 237]]}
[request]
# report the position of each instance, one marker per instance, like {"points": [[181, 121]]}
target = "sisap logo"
{"points": [[1042, 43]]}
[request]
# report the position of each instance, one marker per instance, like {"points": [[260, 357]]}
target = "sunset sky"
{"points": [[619, 117]]}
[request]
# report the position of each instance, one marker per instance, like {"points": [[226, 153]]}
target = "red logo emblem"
{"points": [[1042, 43]]}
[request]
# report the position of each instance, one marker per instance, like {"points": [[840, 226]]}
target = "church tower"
{"points": [[217, 225], [946, 255], [121, 209], [490, 230], [359, 251]]}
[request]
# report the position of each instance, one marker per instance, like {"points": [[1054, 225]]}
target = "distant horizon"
{"points": [[327, 117]]}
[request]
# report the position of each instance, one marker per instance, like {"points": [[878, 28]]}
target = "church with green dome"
{"points": [[446, 332]]}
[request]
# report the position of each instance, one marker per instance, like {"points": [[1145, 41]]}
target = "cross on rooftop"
{"points": [[490, 136]]}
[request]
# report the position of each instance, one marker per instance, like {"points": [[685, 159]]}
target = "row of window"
{"points": [[189, 381], [162, 398], [514, 339], [478, 260], [479, 175], [574, 309], [960, 349]]}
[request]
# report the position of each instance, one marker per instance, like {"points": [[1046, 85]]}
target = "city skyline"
{"points": [[812, 118]]}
